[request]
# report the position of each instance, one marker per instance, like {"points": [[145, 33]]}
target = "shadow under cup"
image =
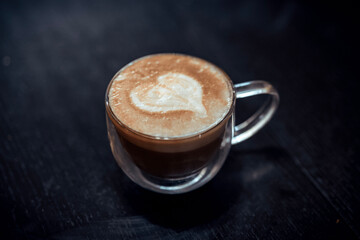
{"points": [[169, 165]]}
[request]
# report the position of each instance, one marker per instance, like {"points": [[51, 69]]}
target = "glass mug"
{"points": [[175, 165]]}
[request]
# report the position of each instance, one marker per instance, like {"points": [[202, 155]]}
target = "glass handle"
{"points": [[248, 128]]}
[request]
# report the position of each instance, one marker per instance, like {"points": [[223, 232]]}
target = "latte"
{"points": [[170, 112], [170, 95]]}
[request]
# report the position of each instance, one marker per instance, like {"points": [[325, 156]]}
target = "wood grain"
{"points": [[298, 178]]}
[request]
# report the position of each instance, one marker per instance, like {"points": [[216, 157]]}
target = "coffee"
{"points": [[168, 110], [169, 95]]}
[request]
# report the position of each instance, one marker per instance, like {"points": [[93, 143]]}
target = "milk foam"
{"points": [[173, 91], [170, 95]]}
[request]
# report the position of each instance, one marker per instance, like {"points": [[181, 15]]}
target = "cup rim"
{"points": [[182, 137]]}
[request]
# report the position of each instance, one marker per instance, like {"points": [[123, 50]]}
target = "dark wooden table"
{"points": [[298, 178]]}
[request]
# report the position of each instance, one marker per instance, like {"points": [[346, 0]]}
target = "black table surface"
{"points": [[298, 178]]}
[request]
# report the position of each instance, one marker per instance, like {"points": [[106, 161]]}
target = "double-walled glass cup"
{"points": [[175, 165]]}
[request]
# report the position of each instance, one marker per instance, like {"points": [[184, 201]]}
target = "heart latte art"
{"points": [[170, 95], [173, 91]]}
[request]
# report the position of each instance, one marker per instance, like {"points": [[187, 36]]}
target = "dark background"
{"points": [[298, 178]]}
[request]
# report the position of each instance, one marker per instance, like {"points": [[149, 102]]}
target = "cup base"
{"points": [[184, 184], [173, 184]]}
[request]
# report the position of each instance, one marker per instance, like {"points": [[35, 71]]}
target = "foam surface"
{"points": [[171, 92], [170, 95]]}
